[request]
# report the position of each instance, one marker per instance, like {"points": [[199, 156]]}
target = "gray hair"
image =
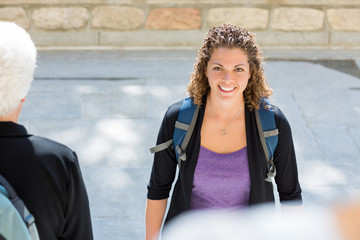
{"points": [[17, 65]]}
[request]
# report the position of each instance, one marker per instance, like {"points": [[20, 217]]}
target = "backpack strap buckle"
{"points": [[271, 172], [181, 153]]}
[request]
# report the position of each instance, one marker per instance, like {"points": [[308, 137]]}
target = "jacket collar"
{"points": [[11, 129]]}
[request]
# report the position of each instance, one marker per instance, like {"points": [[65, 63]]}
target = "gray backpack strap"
{"points": [[184, 127], [161, 146], [262, 138], [182, 151], [271, 133], [181, 125], [269, 161]]}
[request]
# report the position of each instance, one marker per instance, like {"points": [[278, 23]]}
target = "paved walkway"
{"points": [[107, 106]]}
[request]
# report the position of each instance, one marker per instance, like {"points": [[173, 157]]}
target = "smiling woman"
{"points": [[225, 165], [228, 73]]}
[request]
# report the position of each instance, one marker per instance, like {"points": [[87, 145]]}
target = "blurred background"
{"points": [[108, 70]]}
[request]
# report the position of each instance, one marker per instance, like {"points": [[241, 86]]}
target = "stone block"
{"points": [[54, 18], [117, 193], [48, 2], [355, 133], [16, 15], [118, 18], [326, 102], [342, 2], [83, 66], [294, 2], [117, 105], [297, 19], [341, 146], [161, 38], [51, 39], [327, 77], [311, 53], [107, 228], [162, 93], [344, 19], [174, 18], [102, 142], [39, 106], [347, 39], [303, 39], [304, 142], [195, 1], [251, 18]]}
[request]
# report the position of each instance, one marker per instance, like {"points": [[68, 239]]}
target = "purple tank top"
{"points": [[221, 180]]}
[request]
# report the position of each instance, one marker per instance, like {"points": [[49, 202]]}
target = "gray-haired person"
{"points": [[45, 174]]}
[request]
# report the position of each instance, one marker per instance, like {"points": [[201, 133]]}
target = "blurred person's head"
{"points": [[230, 36], [257, 223], [17, 65]]}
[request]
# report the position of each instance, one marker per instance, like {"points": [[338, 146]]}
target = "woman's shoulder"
{"points": [[184, 104], [280, 118], [172, 112], [267, 105], [170, 117], [174, 108]]}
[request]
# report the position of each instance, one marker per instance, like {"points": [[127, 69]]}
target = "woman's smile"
{"points": [[227, 89]]}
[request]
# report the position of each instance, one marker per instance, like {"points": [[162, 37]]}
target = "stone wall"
{"points": [[151, 23]]}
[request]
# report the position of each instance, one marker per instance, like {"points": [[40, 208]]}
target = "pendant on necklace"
{"points": [[223, 132]]}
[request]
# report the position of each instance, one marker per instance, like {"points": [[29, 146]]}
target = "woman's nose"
{"points": [[227, 76]]}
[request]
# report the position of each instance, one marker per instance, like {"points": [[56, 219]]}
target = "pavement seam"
{"points": [[308, 126], [353, 139]]}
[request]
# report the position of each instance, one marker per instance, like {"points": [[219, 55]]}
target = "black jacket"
{"points": [[164, 166], [46, 176]]}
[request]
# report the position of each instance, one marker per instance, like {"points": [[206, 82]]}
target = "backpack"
{"points": [[186, 121], [16, 222]]}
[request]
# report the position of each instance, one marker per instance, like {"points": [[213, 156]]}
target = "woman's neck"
{"points": [[226, 110]]}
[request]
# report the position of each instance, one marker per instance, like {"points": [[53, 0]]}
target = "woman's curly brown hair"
{"points": [[230, 36]]}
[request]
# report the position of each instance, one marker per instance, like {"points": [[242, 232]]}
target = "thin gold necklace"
{"points": [[224, 130]]}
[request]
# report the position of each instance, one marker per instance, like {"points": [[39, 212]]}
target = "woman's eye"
{"points": [[217, 68], [239, 69]]}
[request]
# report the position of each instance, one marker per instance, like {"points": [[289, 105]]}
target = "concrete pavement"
{"points": [[108, 105]]}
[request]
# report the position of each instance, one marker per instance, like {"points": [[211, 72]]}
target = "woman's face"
{"points": [[228, 73]]}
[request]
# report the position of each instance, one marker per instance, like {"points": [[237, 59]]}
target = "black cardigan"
{"points": [[164, 166], [47, 177]]}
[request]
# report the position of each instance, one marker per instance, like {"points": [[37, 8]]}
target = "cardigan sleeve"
{"points": [[285, 162], [77, 213], [164, 165]]}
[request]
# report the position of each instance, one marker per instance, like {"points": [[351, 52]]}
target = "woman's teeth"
{"points": [[226, 89]]}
